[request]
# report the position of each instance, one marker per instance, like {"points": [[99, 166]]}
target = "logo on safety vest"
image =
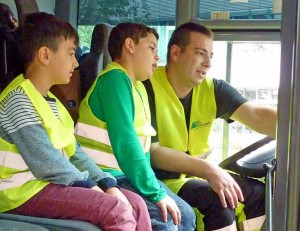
{"points": [[197, 124]]}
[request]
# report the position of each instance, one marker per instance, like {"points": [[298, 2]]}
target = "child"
{"points": [[44, 171], [114, 124]]}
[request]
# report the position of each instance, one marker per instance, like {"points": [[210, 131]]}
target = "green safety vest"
{"points": [[92, 133], [17, 183], [170, 118]]}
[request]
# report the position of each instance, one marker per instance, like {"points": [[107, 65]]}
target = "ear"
{"points": [[44, 55], [174, 53], [129, 45]]}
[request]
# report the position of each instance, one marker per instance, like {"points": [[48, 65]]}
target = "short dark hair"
{"points": [[42, 29], [122, 31], [181, 35]]}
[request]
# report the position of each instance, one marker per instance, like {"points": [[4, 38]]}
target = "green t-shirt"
{"points": [[112, 102]]}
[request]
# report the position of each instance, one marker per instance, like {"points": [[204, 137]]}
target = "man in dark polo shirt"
{"points": [[184, 103]]}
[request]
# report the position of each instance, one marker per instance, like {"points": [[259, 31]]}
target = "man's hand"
{"points": [[168, 204], [225, 186], [117, 193]]}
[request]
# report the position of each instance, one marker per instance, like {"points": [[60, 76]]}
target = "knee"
{"points": [[187, 213], [120, 217], [188, 216], [138, 203]]}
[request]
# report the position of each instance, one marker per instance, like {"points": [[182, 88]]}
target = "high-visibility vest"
{"points": [[170, 116], [17, 183], [171, 123], [92, 133]]}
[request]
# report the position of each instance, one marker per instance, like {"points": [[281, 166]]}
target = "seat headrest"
{"points": [[100, 37]]}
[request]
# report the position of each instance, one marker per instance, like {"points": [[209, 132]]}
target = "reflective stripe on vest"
{"points": [[12, 160], [101, 135], [93, 135], [102, 158], [170, 115], [17, 184]]}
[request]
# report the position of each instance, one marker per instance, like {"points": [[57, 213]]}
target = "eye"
{"points": [[201, 53]]}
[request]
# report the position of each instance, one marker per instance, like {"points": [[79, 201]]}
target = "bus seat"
{"points": [[45, 223], [19, 226], [10, 65], [70, 94], [98, 57], [26, 7]]}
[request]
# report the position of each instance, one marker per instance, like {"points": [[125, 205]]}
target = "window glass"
{"points": [[159, 14], [255, 73], [239, 9]]}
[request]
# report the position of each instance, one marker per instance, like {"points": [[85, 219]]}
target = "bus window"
{"points": [[159, 13], [253, 69]]}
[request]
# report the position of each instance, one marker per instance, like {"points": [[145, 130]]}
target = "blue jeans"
{"points": [[188, 219]]}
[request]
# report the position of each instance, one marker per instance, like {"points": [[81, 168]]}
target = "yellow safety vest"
{"points": [[92, 133], [17, 183], [170, 118]]}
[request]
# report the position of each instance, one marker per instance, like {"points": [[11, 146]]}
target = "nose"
{"points": [[75, 63], [207, 62], [156, 57]]}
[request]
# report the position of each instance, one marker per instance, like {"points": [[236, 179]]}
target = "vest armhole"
{"points": [[151, 98]]}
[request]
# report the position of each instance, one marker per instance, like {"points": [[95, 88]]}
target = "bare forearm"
{"points": [[176, 161], [259, 118]]}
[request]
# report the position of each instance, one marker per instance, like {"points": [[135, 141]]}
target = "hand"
{"points": [[114, 191], [168, 204], [97, 189], [225, 186]]}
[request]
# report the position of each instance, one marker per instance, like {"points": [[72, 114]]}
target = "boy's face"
{"points": [[145, 57], [63, 62]]}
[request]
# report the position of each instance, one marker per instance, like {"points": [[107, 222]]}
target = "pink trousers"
{"points": [[100, 209]]}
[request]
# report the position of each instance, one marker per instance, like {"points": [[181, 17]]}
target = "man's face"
{"points": [[193, 63]]}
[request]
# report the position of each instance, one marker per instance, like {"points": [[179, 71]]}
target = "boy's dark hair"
{"points": [[181, 35], [42, 29], [122, 31]]}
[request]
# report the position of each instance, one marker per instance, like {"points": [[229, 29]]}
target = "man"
{"points": [[184, 103]]}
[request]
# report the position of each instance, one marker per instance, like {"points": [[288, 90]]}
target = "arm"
{"points": [[231, 105], [259, 118], [112, 102], [220, 181], [22, 126], [83, 162]]}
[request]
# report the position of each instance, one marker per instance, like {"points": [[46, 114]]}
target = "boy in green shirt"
{"points": [[114, 125]]}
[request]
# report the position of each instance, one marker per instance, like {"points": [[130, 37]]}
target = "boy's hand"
{"points": [[97, 189], [117, 193], [168, 205]]}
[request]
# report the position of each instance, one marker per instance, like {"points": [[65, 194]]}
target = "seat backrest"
{"points": [[96, 60], [26, 7], [10, 64]]}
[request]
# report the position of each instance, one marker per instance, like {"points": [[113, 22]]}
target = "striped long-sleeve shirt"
{"points": [[21, 125]]}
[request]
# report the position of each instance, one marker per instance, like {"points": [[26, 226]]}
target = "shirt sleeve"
{"points": [[228, 99], [112, 102], [44, 161], [21, 125], [83, 162]]}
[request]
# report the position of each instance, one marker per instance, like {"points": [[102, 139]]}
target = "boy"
{"points": [[44, 171], [114, 124]]}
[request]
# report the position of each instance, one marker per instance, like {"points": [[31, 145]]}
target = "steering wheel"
{"points": [[252, 160]]}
